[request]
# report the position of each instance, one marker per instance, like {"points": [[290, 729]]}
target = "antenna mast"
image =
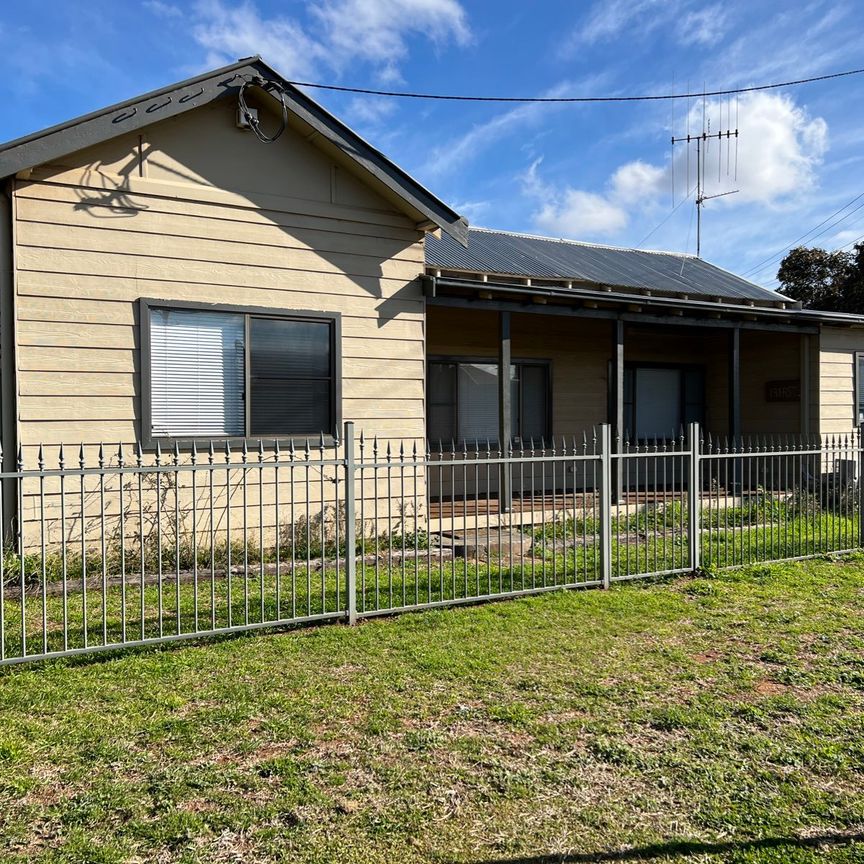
{"points": [[701, 142]]}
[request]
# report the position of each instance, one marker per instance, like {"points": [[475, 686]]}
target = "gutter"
{"points": [[431, 284]]}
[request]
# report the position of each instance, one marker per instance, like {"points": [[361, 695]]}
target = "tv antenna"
{"points": [[701, 143]]}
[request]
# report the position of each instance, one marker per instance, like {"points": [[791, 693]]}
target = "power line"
{"points": [[834, 224], [668, 216], [838, 249], [571, 99], [850, 243], [807, 234]]}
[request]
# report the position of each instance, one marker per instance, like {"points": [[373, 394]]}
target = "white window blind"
{"points": [[463, 401], [478, 402], [196, 373]]}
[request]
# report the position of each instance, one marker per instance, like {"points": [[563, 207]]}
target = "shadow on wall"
{"points": [[203, 150], [238, 162]]}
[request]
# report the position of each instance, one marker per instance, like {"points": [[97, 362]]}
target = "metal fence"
{"points": [[116, 549]]}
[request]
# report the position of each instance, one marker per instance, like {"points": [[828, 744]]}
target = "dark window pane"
{"points": [[289, 349], [462, 402], [442, 383], [860, 389], [442, 402], [657, 402], [291, 377], [515, 411], [629, 420], [534, 402], [694, 396], [441, 424], [293, 407]]}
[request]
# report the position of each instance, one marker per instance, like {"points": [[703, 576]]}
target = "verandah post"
{"points": [[605, 526], [350, 523], [694, 511]]}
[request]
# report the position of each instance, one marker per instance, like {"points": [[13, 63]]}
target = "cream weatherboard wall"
{"points": [[837, 378], [197, 210]]}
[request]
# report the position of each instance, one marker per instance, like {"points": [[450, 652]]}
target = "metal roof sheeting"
{"points": [[506, 254]]}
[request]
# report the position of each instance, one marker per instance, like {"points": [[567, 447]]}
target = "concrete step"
{"points": [[473, 543]]}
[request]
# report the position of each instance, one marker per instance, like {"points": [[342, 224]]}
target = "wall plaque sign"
{"points": [[783, 391]]}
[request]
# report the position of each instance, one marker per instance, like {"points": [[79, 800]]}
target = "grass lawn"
{"points": [[717, 718]]}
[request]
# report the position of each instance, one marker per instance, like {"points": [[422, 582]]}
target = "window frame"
{"points": [[632, 365], [332, 319], [456, 359]]}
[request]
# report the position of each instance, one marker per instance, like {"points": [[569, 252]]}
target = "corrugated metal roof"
{"points": [[507, 254]]}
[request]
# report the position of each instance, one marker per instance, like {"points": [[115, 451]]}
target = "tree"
{"points": [[819, 279]]}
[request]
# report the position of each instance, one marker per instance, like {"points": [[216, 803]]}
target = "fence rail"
{"points": [[112, 550]]}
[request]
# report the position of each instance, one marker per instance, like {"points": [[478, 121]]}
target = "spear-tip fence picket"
{"points": [[129, 549]]}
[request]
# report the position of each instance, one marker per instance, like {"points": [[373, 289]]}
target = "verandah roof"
{"points": [[502, 253]]}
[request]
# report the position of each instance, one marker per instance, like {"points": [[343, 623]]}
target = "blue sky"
{"points": [[599, 173]]}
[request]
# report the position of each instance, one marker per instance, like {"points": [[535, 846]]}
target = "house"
{"points": [[169, 278]]}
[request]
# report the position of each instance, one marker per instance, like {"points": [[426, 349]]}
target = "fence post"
{"points": [[350, 524], [861, 485], [694, 511], [606, 504]]}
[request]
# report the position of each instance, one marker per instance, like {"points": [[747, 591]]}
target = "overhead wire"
{"points": [[668, 216], [808, 234], [402, 94], [850, 243], [270, 86]]}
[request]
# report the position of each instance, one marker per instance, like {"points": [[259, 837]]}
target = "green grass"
{"points": [[706, 719], [552, 559]]}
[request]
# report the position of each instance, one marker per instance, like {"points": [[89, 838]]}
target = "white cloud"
{"points": [[609, 18], [845, 238], [578, 214], [373, 31], [474, 211], [572, 213], [797, 41], [163, 10], [452, 154], [369, 110], [779, 149], [638, 181], [231, 32], [455, 153], [702, 27]]}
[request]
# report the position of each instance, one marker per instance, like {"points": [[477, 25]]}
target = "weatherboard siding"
{"points": [[837, 349], [208, 215], [213, 216]]}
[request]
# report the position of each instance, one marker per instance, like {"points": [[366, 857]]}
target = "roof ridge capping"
{"points": [[570, 242], [175, 99]]}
